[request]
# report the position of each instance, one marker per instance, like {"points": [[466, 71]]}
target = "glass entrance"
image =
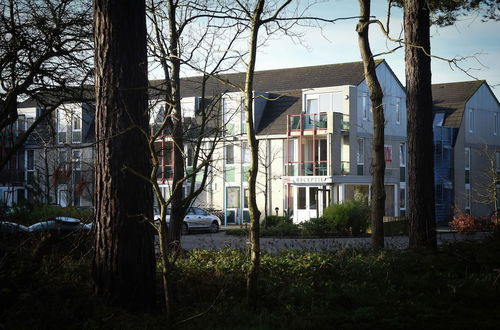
{"points": [[232, 205], [310, 202]]}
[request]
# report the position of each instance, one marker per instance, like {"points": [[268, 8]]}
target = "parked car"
{"points": [[60, 224], [195, 219], [12, 227]]}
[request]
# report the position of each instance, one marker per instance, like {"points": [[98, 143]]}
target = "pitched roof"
{"points": [[274, 120], [451, 98], [278, 80]]}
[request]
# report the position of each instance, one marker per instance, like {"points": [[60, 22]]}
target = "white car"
{"points": [[196, 219]]}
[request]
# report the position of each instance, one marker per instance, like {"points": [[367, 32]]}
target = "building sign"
{"points": [[388, 153], [307, 179]]}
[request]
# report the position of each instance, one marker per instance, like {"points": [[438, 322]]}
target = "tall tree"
{"points": [[421, 215], [376, 96], [124, 260]]}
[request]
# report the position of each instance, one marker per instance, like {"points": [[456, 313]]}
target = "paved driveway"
{"points": [[273, 245]]}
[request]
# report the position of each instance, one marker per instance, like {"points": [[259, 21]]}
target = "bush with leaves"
{"points": [[348, 217], [464, 223]]}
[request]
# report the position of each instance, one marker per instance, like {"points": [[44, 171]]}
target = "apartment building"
{"points": [[55, 165], [466, 147], [315, 129]]}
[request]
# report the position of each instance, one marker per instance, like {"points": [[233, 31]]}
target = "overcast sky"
{"points": [[467, 38]]}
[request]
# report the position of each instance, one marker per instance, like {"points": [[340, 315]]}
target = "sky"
{"points": [[470, 38]]}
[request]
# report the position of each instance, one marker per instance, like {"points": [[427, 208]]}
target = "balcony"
{"points": [[303, 122], [307, 168]]}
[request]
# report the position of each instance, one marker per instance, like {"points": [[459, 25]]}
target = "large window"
{"points": [[77, 159], [30, 166], [325, 102], [76, 127]]}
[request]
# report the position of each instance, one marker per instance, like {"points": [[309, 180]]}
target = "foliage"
{"points": [[348, 289], [274, 220], [465, 223], [319, 227], [282, 229], [351, 216]]}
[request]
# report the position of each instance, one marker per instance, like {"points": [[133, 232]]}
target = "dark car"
{"points": [[12, 227], [60, 224]]}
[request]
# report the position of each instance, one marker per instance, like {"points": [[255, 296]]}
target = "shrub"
{"points": [[282, 229], [29, 215], [351, 216], [274, 220], [464, 223], [318, 227]]}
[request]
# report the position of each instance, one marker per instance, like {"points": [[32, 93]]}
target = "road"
{"points": [[273, 245]]}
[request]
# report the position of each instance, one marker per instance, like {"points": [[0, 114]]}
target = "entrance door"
{"points": [[232, 205], [309, 203]]}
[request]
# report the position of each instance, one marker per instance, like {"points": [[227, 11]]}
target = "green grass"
{"points": [[47, 286]]}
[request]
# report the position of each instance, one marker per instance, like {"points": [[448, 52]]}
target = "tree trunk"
{"points": [[376, 96], [421, 217], [253, 271], [124, 260]]}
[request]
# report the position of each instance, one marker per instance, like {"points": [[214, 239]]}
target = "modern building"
{"points": [[315, 129], [466, 147]]}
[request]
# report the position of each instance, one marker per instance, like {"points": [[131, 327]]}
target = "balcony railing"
{"points": [[306, 168], [306, 121]]}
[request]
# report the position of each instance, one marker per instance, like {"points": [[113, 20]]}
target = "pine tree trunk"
{"points": [[421, 215], [124, 260], [376, 96]]}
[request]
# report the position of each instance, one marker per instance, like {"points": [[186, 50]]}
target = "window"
{"points": [[467, 165], [246, 153], [313, 198], [338, 102], [189, 155], [228, 118], [497, 155], [77, 159], [325, 102], [243, 117], [188, 108], [398, 110], [438, 119], [495, 123], [30, 166], [365, 105], [312, 105], [76, 127], [301, 198], [360, 156], [402, 154], [402, 198], [229, 154], [471, 120], [62, 126]]}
